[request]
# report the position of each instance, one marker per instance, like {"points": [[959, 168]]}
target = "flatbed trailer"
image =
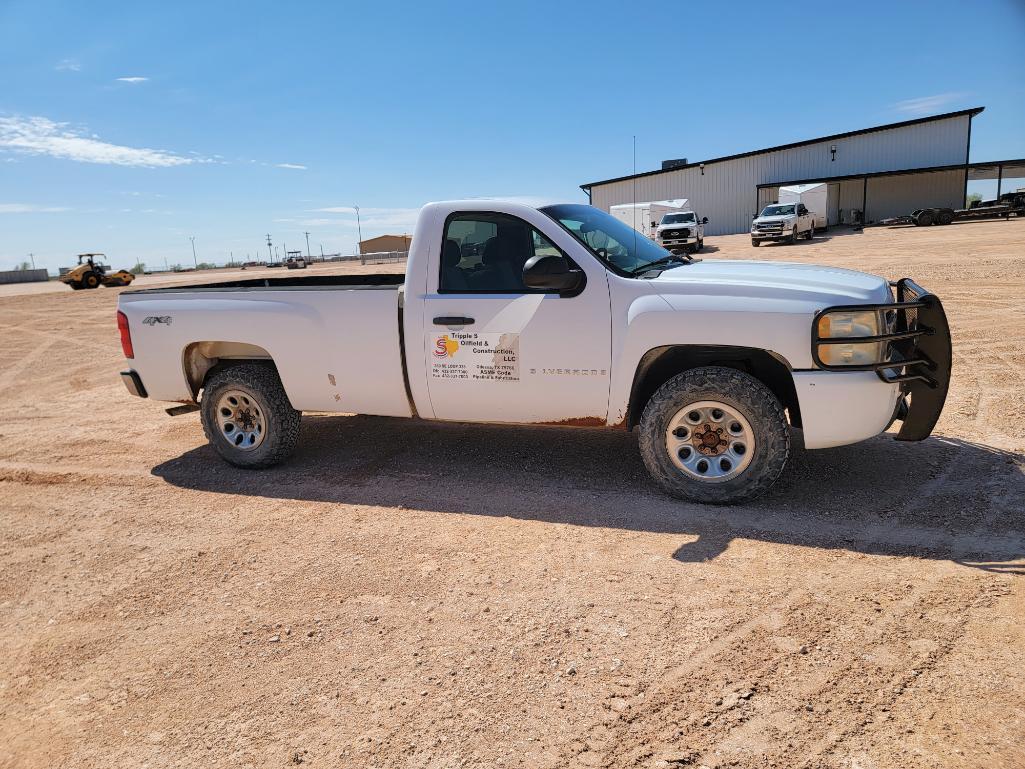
{"points": [[1010, 204]]}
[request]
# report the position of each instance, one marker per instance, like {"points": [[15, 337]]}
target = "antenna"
{"points": [[633, 184]]}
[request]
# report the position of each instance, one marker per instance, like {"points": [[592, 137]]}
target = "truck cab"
{"points": [[782, 222], [681, 232]]}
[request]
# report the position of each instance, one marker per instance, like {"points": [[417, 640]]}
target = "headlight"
{"points": [[838, 325]]}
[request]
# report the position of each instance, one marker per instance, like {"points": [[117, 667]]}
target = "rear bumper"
{"points": [[133, 383]]}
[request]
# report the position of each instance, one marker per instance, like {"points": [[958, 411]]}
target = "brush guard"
{"points": [[917, 354]]}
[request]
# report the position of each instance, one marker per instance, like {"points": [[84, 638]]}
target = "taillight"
{"points": [[126, 334]]}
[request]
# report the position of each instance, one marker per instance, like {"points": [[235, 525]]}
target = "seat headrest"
{"points": [[450, 254]]}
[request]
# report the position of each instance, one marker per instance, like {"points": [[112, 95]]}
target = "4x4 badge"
{"points": [[153, 320]]}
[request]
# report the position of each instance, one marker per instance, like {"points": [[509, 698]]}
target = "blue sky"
{"points": [[127, 127]]}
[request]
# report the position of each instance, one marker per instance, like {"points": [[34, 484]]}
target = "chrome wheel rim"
{"points": [[241, 420], [710, 441]]}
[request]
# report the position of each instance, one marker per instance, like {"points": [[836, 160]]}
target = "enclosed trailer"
{"points": [[644, 217], [815, 198]]}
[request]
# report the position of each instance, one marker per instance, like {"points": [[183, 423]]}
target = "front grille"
{"points": [[684, 233], [770, 227]]}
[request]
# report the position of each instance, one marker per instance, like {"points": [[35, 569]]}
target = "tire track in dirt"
{"points": [[761, 714]]}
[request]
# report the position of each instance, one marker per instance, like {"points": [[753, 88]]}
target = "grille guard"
{"points": [[917, 351]]}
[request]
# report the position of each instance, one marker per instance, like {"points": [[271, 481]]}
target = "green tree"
{"points": [[138, 269], [23, 266], [972, 198]]}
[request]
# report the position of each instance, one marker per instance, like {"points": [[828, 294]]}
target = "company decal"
{"points": [[153, 320], [474, 356]]}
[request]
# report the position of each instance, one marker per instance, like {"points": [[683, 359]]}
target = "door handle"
{"points": [[453, 320]]}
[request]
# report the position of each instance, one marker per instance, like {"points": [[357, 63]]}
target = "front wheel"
{"points": [[714, 435], [247, 416], [754, 243]]}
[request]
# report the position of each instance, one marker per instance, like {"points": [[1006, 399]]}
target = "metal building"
{"points": [[873, 173]]}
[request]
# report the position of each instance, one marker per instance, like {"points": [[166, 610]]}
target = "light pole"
{"points": [[307, 244], [33, 256], [359, 232], [192, 239], [270, 256]]}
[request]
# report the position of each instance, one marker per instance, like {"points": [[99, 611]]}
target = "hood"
{"points": [[817, 285], [776, 218]]}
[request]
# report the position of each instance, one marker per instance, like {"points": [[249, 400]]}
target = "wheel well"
{"points": [[660, 364], [200, 359]]}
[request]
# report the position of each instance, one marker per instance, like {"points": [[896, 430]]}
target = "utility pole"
{"points": [[322, 252], [269, 254], [307, 244], [192, 239], [359, 231], [33, 256]]}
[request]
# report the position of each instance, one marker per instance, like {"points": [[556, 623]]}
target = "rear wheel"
{"points": [[247, 416], [714, 435], [90, 280], [945, 216], [925, 218]]}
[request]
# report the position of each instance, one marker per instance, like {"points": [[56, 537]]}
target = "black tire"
{"points": [[739, 391], [925, 218], [701, 244], [792, 237], [261, 383], [811, 233], [945, 216], [75, 286], [755, 242], [90, 280]]}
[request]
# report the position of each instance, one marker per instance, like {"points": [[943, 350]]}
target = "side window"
{"points": [[486, 252]]}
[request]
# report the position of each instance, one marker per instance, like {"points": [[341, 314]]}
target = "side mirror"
{"points": [[548, 272], [704, 220]]}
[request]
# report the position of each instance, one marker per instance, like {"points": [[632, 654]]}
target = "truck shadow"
{"points": [[942, 498]]}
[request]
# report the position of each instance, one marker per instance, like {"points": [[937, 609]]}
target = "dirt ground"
{"points": [[405, 594]]}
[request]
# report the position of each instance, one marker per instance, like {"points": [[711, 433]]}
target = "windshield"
{"points": [[612, 241], [687, 218], [778, 210]]}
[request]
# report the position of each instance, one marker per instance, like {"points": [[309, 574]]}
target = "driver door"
{"points": [[497, 351]]}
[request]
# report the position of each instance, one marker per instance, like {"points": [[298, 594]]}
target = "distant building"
{"points": [[871, 174], [385, 243]]}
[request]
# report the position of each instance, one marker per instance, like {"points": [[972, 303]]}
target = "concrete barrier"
{"points": [[24, 276]]}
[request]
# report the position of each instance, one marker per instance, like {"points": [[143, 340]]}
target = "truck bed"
{"points": [[290, 283]]}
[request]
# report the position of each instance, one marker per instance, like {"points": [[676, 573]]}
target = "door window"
{"points": [[485, 253]]}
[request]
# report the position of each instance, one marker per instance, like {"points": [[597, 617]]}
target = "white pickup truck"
{"points": [[783, 221], [559, 315]]}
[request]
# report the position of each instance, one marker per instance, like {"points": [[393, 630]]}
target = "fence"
{"points": [[379, 257], [24, 276]]}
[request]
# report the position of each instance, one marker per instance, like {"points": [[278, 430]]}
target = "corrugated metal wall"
{"points": [[23, 276], [900, 195], [727, 192]]}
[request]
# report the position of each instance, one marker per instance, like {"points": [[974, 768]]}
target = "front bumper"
{"points": [[772, 235], [917, 354], [133, 383]]}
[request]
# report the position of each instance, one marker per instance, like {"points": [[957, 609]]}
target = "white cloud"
{"points": [[923, 105], [132, 79], [29, 208], [68, 65], [41, 136], [296, 166], [376, 217]]}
